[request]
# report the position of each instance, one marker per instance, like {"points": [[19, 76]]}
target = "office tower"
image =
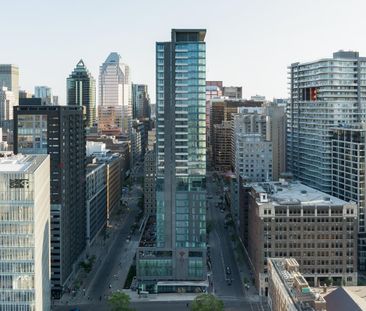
{"points": [[55, 100], [9, 77], [181, 164], [59, 132], [288, 289], [25, 94], [138, 141], [221, 116], [150, 175], [233, 92], [289, 219], [115, 102], [276, 114], [348, 173], [140, 102], [81, 92], [114, 171], [252, 147], [7, 102], [326, 93], [213, 90], [25, 232], [96, 200], [44, 93]]}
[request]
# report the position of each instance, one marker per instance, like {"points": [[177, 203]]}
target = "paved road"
{"points": [[222, 253], [111, 265], [169, 306]]}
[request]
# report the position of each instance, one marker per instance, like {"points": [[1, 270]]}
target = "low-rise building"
{"points": [[289, 219], [288, 290]]}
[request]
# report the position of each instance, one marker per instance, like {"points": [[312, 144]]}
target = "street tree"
{"points": [[120, 301], [207, 302]]}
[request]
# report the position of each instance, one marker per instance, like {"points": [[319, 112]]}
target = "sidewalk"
{"points": [[160, 297], [78, 285]]}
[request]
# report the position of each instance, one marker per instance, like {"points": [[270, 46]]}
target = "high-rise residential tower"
{"points": [[25, 233], [181, 162], [326, 94], [59, 132], [115, 102], [81, 92], [9, 77]]}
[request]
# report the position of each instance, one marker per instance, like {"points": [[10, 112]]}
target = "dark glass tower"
{"points": [[59, 132], [81, 92]]}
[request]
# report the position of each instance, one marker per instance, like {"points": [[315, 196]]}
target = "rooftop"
{"points": [[21, 163], [294, 192], [298, 289], [346, 298]]}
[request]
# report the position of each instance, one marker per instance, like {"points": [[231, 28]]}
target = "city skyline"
{"points": [[239, 32]]}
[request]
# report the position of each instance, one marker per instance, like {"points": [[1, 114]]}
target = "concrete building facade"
{"points": [[59, 132], [289, 219], [25, 233], [288, 290]]}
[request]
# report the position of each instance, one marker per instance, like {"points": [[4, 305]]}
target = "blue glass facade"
{"points": [[181, 150]]}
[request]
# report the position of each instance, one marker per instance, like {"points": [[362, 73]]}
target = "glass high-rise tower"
{"points": [[81, 92], [181, 159]]}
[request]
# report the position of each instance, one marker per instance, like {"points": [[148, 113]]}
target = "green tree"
{"points": [[120, 301], [207, 302]]}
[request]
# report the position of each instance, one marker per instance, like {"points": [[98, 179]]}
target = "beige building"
{"points": [[288, 290], [289, 219]]}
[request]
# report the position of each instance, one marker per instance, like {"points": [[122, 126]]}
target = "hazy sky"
{"points": [[250, 43]]}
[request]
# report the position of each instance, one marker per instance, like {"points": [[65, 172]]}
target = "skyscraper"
{"points": [[81, 92], [58, 131], [44, 93], [25, 233], [115, 102], [9, 77], [326, 94], [181, 160], [140, 102]]}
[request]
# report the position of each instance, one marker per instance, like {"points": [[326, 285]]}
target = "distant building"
{"points": [[288, 290], [59, 132], [96, 200], [223, 111], [252, 147], [114, 170], [258, 98], [25, 94], [150, 175], [115, 102], [233, 92], [25, 233], [289, 219], [213, 90], [140, 102], [55, 100], [81, 92], [9, 77], [7, 102], [44, 93]]}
